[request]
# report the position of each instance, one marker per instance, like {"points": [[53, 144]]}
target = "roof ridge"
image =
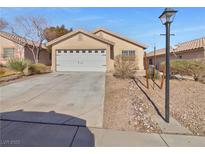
{"points": [[121, 36], [76, 31], [196, 39]]}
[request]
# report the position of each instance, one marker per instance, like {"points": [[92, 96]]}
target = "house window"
{"points": [[8, 52], [130, 53]]}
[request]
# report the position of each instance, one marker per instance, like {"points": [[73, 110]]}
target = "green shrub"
{"points": [[17, 64], [38, 68], [195, 68], [124, 67]]}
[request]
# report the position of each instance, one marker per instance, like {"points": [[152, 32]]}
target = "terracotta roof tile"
{"points": [[17, 39], [185, 46], [78, 31], [121, 37], [190, 45], [158, 52]]}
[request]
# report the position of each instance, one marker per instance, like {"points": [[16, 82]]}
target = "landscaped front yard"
{"points": [[128, 104], [123, 110]]}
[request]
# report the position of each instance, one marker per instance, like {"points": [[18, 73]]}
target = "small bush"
{"points": [[195, 68], [124, 67], [38, 68], [17, 64]]}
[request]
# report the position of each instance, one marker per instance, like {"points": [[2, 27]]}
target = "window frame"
{"points": [[8, 55], [127, 53]]}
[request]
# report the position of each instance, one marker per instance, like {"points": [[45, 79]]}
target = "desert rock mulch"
{"points": [[123, 110], [187, 102]]}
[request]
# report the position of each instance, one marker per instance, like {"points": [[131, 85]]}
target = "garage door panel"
{"points": [[79, 60], [74, 69]]}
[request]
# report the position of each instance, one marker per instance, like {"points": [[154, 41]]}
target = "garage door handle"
{"points": [[103, 55], [104, 65]]}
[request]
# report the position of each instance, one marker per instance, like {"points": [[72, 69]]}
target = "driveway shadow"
{"points": [[43, 129], [137, 81]]}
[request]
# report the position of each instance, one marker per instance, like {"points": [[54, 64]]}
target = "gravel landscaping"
{"points": [[187, 102], [123, 110], [129, 105]]}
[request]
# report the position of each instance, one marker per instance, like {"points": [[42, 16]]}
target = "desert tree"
{"points": [[52, 32], [3, 24], [31, 30]]}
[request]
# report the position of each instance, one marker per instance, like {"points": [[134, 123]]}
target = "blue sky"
{"points": [[140, 24]]}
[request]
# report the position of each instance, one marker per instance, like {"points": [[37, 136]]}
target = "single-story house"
{"points": [[12, 45], [92, 51], [194, 49]]}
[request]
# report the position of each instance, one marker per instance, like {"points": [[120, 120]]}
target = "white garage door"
{"points": [[81, 60]]}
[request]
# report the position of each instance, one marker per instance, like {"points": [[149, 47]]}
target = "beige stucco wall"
{"points": [[44, 56], [85, 42], [5, 43], [124, 45], [193, 54]]}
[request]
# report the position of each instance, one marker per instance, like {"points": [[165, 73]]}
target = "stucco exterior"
{"points": [[85, 42], [5, 43], [123, 45], [113, 45], [190, 54], [22, 52]]}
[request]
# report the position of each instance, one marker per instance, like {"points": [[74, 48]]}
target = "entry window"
{"points": [[65, 51], [130, 53], [102, 51], [83, 51], [77, 51], [180, 57], [8, 52], [96, 51], [89, 51], [71, 51]]}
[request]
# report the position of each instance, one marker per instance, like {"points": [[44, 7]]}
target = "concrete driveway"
{"points": [[78, 94]]}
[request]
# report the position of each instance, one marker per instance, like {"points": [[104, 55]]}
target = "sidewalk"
{"points": [[115, 138]]}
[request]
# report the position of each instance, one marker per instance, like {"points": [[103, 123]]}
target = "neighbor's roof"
{"points": [[185, 46], [190, 45], [17, 39], [158, 52], [79, 31], [120, 37]]}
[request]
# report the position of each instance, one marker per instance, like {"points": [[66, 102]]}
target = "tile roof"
{"points": [[12, 37], [79, 31], [185, 46], [189, 45], [159, 52], [120, 36], [17, 39]]}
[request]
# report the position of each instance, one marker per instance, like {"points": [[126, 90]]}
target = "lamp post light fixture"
{"points": [[167, 18]]}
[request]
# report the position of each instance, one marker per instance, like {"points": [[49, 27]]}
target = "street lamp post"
{"points": [[167, 18]]}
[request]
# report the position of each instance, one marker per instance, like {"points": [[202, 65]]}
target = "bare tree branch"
{"points": [[32, 32], [3, 24]]}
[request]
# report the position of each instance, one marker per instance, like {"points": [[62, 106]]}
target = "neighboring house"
{"points": [[12, 45], [85, 51], [194, 49]]}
